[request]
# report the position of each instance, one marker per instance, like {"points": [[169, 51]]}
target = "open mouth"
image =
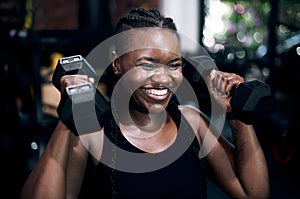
{"points": [[157, 93]]}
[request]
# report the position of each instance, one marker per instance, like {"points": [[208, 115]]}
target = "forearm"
{"points": [[47, 180], [249, 160]]}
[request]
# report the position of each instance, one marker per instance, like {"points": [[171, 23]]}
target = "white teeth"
{"points": [[157, 91]]}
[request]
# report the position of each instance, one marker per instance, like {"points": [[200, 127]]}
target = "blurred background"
{"points": [[256, 39]]}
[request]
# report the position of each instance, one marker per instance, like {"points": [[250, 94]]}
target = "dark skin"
{"points": [[156, 72]]}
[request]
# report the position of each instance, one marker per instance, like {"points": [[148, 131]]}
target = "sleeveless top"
{"points": [[182, 178]]}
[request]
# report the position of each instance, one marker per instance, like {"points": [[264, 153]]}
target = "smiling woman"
{"points": [[148, 146], [155, 68]]}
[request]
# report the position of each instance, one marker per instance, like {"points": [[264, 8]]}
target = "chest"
{"points": [[180, 178], [151, 142]]}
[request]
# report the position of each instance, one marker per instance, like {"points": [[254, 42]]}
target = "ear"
{"points": [[116, 63]]}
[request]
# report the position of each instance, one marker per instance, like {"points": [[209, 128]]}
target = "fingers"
{"points": [[222, 82], [69, 80]]}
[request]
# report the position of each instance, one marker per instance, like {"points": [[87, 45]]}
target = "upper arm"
{"points": [[213, 147], [196, 120], [75, 167], [81, 147], [240, 175]]}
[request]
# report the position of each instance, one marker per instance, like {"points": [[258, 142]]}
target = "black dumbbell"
{"points": [[249, 100], [82, 106]]}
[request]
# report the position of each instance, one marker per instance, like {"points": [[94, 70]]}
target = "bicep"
{"points": [[76, 167], [87, 144]]}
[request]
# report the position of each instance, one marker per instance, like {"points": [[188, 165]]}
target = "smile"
{"points": [[156, 91], [157, 94]]}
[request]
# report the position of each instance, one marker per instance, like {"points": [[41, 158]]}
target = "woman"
{"points": [[155, 127]]}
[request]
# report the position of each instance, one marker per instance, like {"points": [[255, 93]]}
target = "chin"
{"points": [[157, 108]]}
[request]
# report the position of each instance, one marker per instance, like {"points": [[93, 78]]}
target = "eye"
{"points": [[148, 66], [174, 66], [151, 66]]}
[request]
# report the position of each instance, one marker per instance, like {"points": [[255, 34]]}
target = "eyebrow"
{"points": [[151, 59], [175, 59]]}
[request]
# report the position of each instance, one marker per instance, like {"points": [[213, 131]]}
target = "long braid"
{"points": [[140, 18]]}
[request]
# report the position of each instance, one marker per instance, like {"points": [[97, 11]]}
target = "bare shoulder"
{"points": [[93, 143], [196, 118], [192, 113]]}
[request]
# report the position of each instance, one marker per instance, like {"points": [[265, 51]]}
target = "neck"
{"points": [[143, 125], [149, 121]]}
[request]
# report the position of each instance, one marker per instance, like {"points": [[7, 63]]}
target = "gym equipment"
{"points": [[249, 100], [82, 104]]}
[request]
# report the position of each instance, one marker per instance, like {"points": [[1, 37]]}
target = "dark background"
{"points": [[33, 32]]}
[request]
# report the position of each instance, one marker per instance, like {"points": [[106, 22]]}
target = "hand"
{"points": [[220, 84], [69, 80]]}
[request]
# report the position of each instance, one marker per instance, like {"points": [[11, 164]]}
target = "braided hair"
{"points": [[136, 18], [142, 18]]}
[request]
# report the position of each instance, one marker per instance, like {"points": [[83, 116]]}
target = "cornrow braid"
{"points": [[142, 18]]}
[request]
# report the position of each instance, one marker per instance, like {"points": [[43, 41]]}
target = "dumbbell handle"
{"points": [[248, 97], [72, 65], [83, 100]]}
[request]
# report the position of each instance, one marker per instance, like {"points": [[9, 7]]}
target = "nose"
{"points": [[162, 76]]}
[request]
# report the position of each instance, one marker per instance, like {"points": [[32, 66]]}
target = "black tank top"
{"points": [[183, 178]]}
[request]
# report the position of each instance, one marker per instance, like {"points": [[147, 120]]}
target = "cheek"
{"points": [[134, 79], [138, 77], [177, 77]]}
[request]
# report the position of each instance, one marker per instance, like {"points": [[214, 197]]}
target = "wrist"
{"points": [[235, 123], [62, 126]]}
